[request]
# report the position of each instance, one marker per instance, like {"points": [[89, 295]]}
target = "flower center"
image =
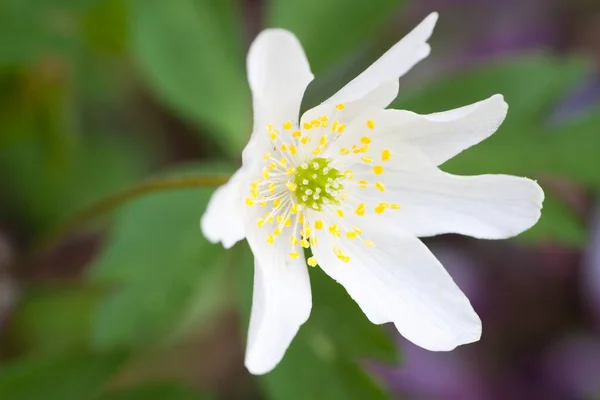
{"points": [[317, 184]]}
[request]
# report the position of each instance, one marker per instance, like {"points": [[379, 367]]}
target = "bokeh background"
{"points": [[99, 95]]}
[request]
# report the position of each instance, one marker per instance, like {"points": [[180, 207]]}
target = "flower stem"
{"points": [[116, 200]]}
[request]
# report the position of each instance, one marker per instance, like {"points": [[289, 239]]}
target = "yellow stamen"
{"points": [[386, 155], [378, 170], [360, 210], [312, 261], [370, 124]]}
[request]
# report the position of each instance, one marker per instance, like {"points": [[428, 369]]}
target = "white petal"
{"points": [[281, 303], [223, 220], [400, 281], [278, 73], [486, 206], [443, 135], [391, 66]]}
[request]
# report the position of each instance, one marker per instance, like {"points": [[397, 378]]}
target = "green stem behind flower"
{"points": [[111, 202]]}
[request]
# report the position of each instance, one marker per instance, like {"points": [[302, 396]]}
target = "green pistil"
{"points": [[317, 184]]}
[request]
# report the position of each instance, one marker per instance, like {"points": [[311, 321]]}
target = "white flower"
{"points": [[357, 184]]}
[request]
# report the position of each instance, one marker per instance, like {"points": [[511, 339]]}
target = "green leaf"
{"points": [[532, 85], [557, 223], [42, 190], [54, 319], [166, 276], [324, 359], [74, 378], [155, 391], [330, 30], [189, 51]]}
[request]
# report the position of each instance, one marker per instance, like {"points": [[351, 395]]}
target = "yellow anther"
{"points": [[279, 219], [324, 124], [307, 126], [297, 134], [272, 166], [291, 186], [306, 231], [270, 239], [273, 135], [351, 235], [287, 125], [263, 201], [349, 174], [260, 222], [295, 208], [341, 128], [272, 187], [324, 118], [386, 155], [369, 243], [294, 255], [283, 162], [318, 224], [301, 218], [315, 123], [344, 151], [277, 232], [290, 171], [254, 192], [267, 156], [381, 207], [340, 106], [380, 186], [340, 213], [366, 159], [323, 140], [249, 201], [313, 241], [370, 124], [363, 184], [288, 221], [293, 240], [361, 149], [293, 150], [317, 151], [360, 210], [283, 148], [304, 243], [357, 229], [269, 217], [269, 127], [335, 231], [312, 261], [305, 140], [365, 140], [276, 202], [395, 206], [334, 126], [378, 170]]}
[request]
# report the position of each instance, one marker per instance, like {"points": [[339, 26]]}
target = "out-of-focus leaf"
{"points": [[43, 191], [329, 30], [31, 29], [55, 319], [531, 85], [155, 391], [324, 359], [558, 223], [166, 276], [75, 378], [190, 54]]}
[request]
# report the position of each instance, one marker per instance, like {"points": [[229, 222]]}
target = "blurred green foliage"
{"points": [[70, 68]]}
